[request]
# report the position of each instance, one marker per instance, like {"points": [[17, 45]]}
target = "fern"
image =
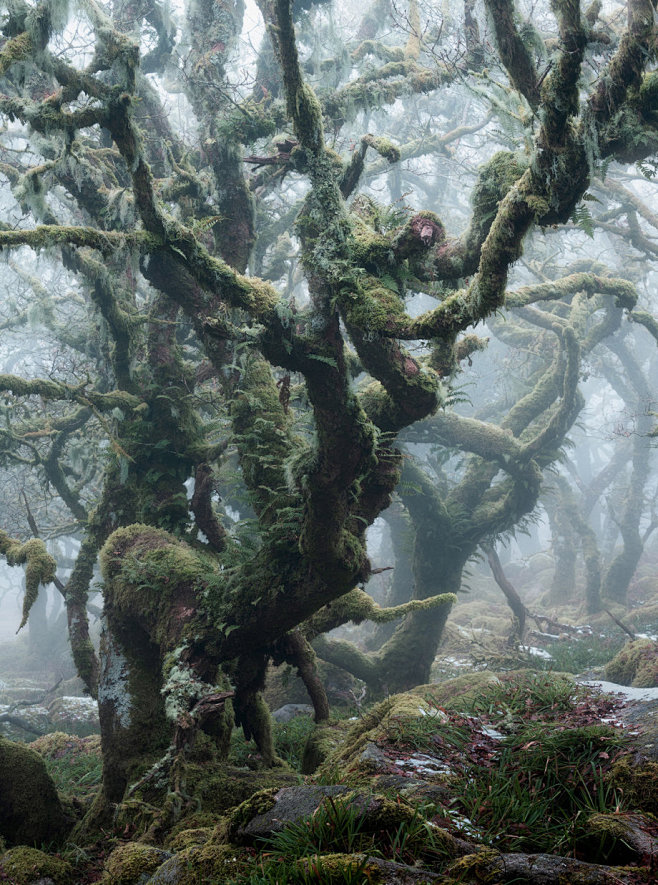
{"points": [[582, 218]]}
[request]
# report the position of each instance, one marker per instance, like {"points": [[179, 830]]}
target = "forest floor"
{"points": [[511, 766]]}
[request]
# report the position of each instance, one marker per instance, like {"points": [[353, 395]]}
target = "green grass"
{"points": [[289, 741], [538, 694], [542, 787], [576, 656], [76, 775]]}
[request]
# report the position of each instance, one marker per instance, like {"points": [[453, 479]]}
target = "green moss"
{"points": [[40, 567], [205, 863], [143, 566], [638, 783], [389, 717], [135, 817], [336, 869], [384, 148], [16, 49], [259, 803], [24, 866], [188, 838], [132, 862], [439, 694], [218, 788], [636, 664], [30, 810], [480, 867], [324, 740]]}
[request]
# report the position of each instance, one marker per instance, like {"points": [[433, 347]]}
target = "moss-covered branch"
{"points": [[514, 53], [58, 391], [39, 567]]}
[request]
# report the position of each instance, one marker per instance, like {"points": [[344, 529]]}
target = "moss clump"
{"points": [[39, 567], [480, 867], [441, 693], [637, 783], [30, 810], [25, 866], [190, 838], [636, 664], [206, 863], [131, 862], [336, 869], [386, 722], [219, 788], [260, 803], [324, 740]]}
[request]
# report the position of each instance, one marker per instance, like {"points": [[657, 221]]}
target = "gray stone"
{"points": [[290, 711], [291, 804]]}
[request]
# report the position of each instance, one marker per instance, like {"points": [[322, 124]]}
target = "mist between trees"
{"points": [[268, 278]]}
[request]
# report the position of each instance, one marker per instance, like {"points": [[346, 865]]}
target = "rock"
{"points": [[339, 868], [626, 837], [28, 866], [207, 863], [373, 757], [269, 811], [74, 715], [30, 809], [133, 863], [290, 711], [636, 664]]}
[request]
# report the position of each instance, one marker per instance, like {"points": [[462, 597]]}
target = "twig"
{"points": [[619, 624]]}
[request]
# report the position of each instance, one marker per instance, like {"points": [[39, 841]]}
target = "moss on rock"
{"points": [[324, 740], [336, 869], [257, 804], [30, 809], [191, 837], [636, 664], [25, 866], [132, 863], [638, 783], [199, 864]]}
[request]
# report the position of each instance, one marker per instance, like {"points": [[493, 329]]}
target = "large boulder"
{"points": [[30, 810]]}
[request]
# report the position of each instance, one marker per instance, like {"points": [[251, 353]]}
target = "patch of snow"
{"points": [[422, 764], [537, 652], [80, 701], [630, 693], [491, 732]]}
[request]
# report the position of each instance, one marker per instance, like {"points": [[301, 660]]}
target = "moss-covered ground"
{"points": [[513, 762], [503, 754]]}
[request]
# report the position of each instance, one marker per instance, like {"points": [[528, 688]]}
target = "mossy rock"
{"points": [[189, 838], [58, 744], [637, 782], [324, 740], [133, 863], [636, 665], [196, 822], [199, 865], [134, 817], [27, 866], [353, 761], [30, 809], [219, 788]]}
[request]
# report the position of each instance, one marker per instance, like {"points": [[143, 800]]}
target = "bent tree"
{"points": [[192, 314]]}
